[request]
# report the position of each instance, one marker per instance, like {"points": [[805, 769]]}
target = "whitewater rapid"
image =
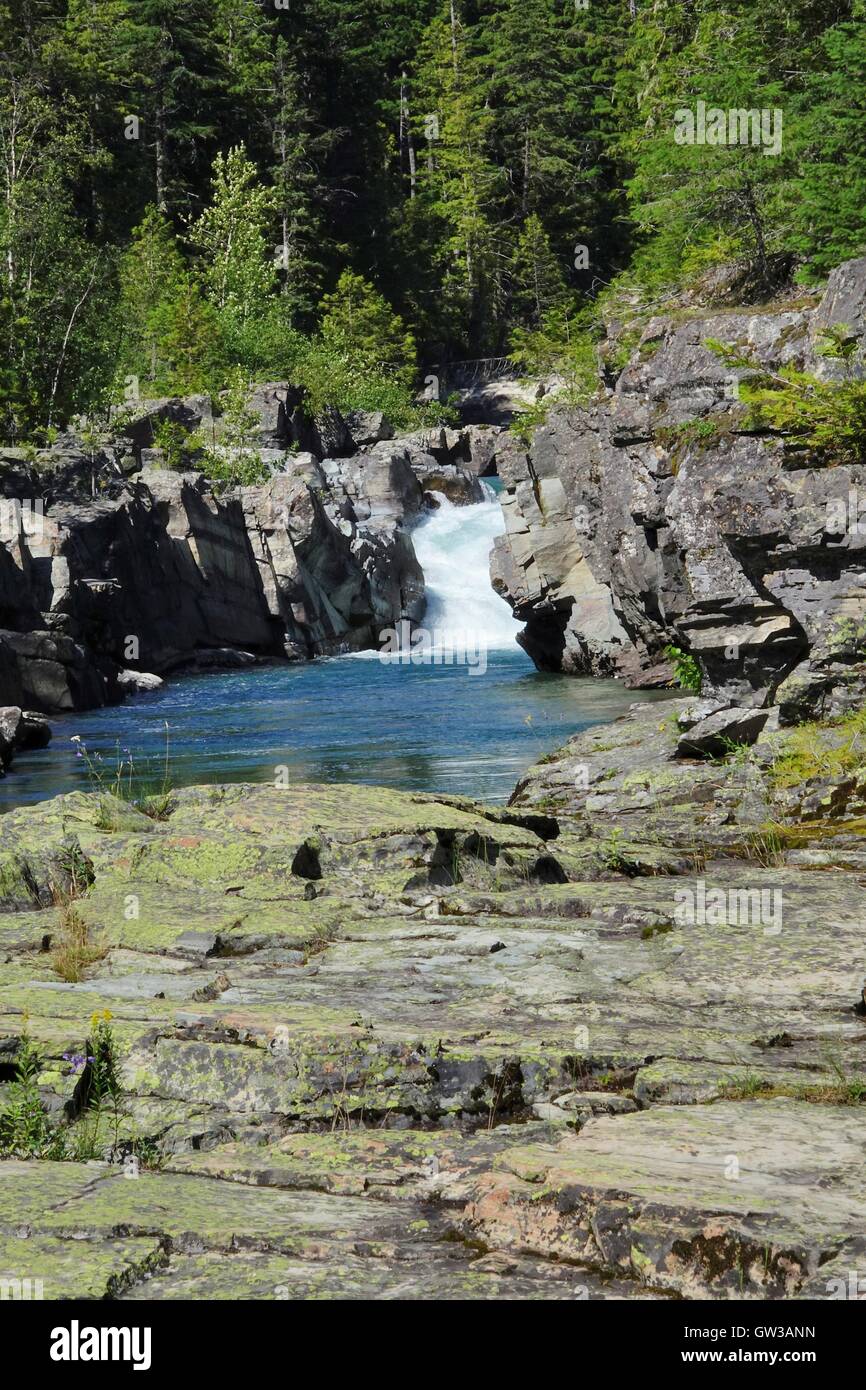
{"points": [[453, 546]]}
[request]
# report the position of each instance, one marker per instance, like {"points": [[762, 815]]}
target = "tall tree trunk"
{"points": [[159, 139], [406, 135], [757, 226], [453, 12]]}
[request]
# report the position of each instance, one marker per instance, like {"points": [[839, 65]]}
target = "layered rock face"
{"points": [[660, 517], [113, 563]]}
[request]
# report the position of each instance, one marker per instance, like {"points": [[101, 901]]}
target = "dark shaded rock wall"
{"points": [[628, 532]]}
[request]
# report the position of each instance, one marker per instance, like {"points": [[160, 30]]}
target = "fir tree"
{"points": [[830, 214], [360, 326], [236, 263], [151, 276]]}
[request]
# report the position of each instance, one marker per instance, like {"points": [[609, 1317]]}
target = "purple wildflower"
{"points": [[77, 1060]]}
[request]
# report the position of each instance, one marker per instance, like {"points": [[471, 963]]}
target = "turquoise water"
{"points": [[434, 727], [424, 728]]}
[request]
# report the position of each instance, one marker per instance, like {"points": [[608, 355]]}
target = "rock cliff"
{"points": [[661, 516], [111, 563]]}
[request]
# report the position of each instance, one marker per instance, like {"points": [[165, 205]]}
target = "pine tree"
{"points": [[51, 273], [236, 264], [705, 201], [188, 341], [299, 154], [533, 73], [830, 215], [538, 285], [167, 51], [359, 326], [458, 182], [151, 276]]}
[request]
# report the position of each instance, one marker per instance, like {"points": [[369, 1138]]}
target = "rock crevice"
{"points": [[659, 517]]}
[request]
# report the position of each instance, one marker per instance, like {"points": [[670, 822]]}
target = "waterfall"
{"points": [[453, 546]]}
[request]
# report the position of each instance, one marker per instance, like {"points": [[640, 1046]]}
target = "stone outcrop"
{"points": [[378, 1044], [146, 580], [20, 729], [660, 517], [115, 568]]}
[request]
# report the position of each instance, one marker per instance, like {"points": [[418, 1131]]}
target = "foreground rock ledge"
{"points": [[384, 1045]]}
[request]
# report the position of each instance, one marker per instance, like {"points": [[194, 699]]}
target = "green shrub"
{"points": [[687, 672], [827, 418], [177, 443], [24, 1129]]}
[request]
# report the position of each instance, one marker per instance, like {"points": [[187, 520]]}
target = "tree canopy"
{"points": [[189, 187]]}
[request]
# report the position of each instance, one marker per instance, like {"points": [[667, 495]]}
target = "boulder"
{"points": [[275, 404], [51, 672], [139, 421], [714, 736], [368, 427], [331, 437], [482, 446], [136, 681], [20, 729]]}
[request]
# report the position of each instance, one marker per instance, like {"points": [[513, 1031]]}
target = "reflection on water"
{"points": [[422, 728], [442, 728]]}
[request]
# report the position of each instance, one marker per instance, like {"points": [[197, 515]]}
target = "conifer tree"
{"points": [[236, 264], [360, 326], [830, 213], [151, 277], [458, 180]]}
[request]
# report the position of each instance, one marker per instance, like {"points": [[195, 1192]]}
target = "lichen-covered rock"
{"points": [[729, 1200], [605, 1042], [660, 517], [719, 732]]}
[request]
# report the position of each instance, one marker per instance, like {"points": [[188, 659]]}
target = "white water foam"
{"points": [[453, 546]]}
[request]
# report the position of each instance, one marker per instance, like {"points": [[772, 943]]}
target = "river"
{"points": [[465, 726]]}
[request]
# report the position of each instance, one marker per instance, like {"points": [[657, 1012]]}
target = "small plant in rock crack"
{"points": [[611, 852], [97, 1130], [687, 672], [24, 1128], [737, 753], [745, 1086], [143, 783], [76, 869], [848, 1089], [72, 947]]}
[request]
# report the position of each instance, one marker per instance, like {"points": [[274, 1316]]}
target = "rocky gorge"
{"points": [[607, 1041], [115, 568]]}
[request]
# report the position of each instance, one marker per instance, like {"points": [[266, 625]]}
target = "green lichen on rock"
{"points": [[352, 1019]]}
